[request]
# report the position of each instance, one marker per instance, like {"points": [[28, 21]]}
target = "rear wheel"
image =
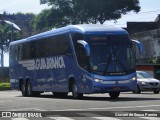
{"points": [[29, 89], [114, 95], [75, 93], [23, 89]]}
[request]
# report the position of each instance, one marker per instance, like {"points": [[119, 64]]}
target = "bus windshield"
{"points": [[111, 55]]}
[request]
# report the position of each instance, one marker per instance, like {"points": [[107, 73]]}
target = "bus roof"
{"points": [[97, 28], [82, 28]]}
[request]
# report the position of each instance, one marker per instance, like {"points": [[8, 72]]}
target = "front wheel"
{"points": [[75, 93], [114, 95]]}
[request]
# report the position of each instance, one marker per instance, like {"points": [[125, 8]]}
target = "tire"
{"points": [[59, 94], [156, 92], [114, 95], [23, 89], [137, 91], [75, 93], [29, 89]]}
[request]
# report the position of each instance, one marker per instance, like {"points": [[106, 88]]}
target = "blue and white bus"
{"points": [[82, 59]]}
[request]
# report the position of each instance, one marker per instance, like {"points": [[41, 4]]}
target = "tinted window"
{"points": [[51, 46], [79, 49]]}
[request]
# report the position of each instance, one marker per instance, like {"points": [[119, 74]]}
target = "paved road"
{"points": [[91, 107]]}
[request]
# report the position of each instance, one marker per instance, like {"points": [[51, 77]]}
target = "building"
{"points": [[136, 27], [148, 33]]}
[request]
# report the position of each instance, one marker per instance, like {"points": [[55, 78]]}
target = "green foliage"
{"points": [[154, 60], [7, 34], [65, 12], [5, 86], [49, 19]]}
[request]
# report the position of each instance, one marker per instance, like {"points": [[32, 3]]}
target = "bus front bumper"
{"points": [[111, 86]]}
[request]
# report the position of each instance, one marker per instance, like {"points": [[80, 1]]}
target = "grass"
{"points": [[5, 86]]}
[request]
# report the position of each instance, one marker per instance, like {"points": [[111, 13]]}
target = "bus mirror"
{"points": [[140, 46], [86, 46]]}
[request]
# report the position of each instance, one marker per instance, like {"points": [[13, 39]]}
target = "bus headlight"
{"points": [[134, 78], [98, 80]]}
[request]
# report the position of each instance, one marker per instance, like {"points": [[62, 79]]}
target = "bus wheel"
{"points": [[23, 89], [114, 95], [75, 93], [29, 89]]}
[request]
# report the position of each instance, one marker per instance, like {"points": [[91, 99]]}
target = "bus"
{"points": [[82, 59]]}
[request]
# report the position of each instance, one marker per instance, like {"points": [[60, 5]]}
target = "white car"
{"points": [[145, 82]]}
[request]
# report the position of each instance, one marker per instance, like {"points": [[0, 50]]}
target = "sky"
{"points": [[149, 11], [24, 6]]}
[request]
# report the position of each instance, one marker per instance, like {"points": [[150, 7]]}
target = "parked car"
{"points": [[145, 82]]}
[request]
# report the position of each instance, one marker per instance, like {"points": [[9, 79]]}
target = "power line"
{"points": [[150, 11], [140, 13]]}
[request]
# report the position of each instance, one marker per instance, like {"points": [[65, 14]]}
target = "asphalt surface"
{"points": [[145, 106]]}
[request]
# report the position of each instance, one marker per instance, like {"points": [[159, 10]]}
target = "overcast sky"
{"points": [[24, 6], [149, 11]]}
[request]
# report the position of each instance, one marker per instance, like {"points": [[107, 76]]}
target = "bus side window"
{"points": [[62, 45], [58, 45], [80, 50], [19, 52], [82, 58], [39, 49], [32, 50], [67, 45]]}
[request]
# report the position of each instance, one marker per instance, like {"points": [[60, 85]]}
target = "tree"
{"points": [[86, 11], [47, 19], [7, 33], [51, 18], [102, 10]]}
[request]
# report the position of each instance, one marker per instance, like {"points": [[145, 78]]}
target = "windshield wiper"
{"points": [[117, 61], [122, 65]]}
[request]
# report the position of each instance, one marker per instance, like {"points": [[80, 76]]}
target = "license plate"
{"points": [[116, 88]]}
